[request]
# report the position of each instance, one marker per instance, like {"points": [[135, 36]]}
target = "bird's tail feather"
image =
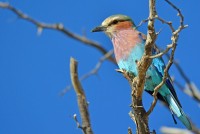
{"points": [[177, 110]]}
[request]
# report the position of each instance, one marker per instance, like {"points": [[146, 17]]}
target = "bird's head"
{"points": [[114, 23]]}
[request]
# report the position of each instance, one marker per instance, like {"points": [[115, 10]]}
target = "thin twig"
{"points": [[178, 10], [77, 122], [129, 131], [169, 23], [98, 65], [81, 98], [94, 71], [162, 53], [142, 22]]}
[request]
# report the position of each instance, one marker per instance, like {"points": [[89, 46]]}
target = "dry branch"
{"points": [[138, 114], [58, 27], [81, 98], [145, 62]]}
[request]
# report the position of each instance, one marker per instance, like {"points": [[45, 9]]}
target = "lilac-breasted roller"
{"points": [[129, 48]]}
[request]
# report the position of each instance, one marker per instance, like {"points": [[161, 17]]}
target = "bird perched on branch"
{"points": [[129, 47]]}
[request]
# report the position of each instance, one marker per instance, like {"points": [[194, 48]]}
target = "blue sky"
{"points": [[35, 68]]}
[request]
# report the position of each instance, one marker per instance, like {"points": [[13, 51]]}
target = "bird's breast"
{"points": [[128, 49], [124, 42]]}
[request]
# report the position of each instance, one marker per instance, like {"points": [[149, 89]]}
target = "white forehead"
{"points": [[114, 17], [109, 20]]}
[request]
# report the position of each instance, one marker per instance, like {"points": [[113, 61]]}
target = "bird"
{"points": [[129, 47]]}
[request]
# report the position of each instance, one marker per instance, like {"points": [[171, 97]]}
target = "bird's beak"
{"points": [[99, 29]]}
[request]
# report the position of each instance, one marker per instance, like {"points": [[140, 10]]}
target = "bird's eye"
{"points": [[115, 22]]}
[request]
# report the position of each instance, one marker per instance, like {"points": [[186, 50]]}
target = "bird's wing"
{"points": [[160, 66]]}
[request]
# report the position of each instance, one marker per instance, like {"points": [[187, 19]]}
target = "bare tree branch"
{"points": [[138, 114], [145, 62], [58, 27], [81, 98]]}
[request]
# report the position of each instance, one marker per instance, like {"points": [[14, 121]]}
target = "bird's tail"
{"points": [[177, 110]]}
